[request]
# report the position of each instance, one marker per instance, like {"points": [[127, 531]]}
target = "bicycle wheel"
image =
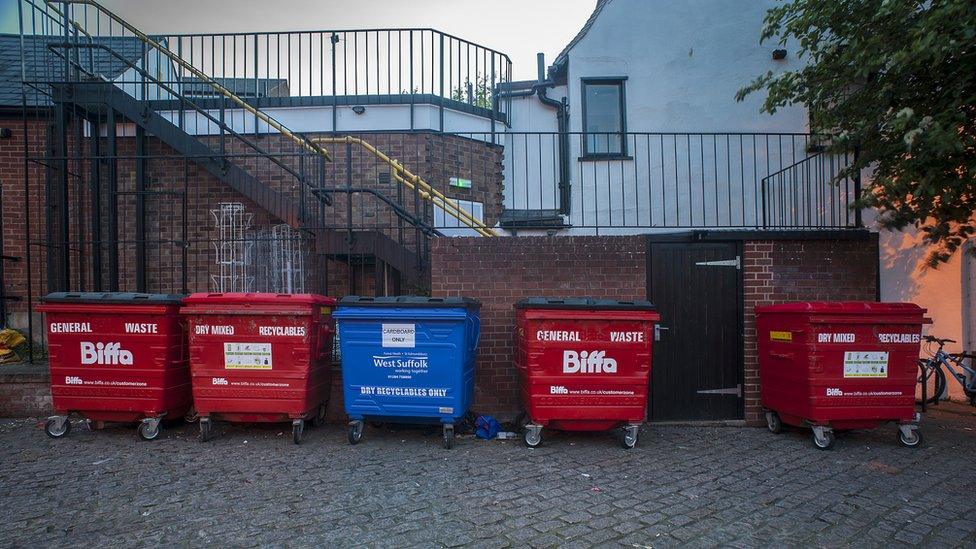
{"points": [[934, 379]]}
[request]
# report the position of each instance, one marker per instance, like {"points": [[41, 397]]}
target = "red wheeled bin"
{"points": [[116, 357], [843, 365], [260, 357], [585, 365]]}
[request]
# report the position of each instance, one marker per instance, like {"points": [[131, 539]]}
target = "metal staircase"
{"points": [[106, 73]]}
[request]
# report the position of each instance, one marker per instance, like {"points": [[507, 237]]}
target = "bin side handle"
{"points": [[475, 327]]}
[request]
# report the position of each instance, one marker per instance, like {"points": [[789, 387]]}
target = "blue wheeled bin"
{"points": [[407, 359]]}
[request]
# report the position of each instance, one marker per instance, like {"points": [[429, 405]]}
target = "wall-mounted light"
{"points": [[779, 55], [6, 133], [359, 109]]}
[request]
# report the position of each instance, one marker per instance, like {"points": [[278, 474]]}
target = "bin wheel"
{"points": [[774, 423], [204, 429], [149, 430], [532, 438], [319, 419], [826, 442], [297, 430], [191, 415], [56, 428], [913, 440], [627, 438], [448, 437], [355, 434]]}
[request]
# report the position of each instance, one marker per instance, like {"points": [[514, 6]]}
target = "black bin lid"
{"points": [[113, 298], [409, 301], [584, 303]]}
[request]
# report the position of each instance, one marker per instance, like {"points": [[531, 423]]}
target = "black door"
{"points": [[697, 366]]}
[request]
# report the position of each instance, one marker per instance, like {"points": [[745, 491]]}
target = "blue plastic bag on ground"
{"points": [[486, 427]]}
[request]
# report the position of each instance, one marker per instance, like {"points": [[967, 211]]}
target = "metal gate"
{"points": [[697, 366]]}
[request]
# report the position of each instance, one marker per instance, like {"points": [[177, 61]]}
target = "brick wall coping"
{"points": [[758, 234]]}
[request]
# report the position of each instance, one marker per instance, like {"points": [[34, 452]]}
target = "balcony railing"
{"points": [[365, 63], [679, 181], [413, 64]]}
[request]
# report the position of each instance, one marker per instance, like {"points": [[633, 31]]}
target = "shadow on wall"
{"points": [[902, 265]]}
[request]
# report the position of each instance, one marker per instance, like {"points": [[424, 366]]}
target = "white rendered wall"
{"points": [[684, 62]]}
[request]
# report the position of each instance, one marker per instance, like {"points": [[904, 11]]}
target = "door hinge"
{"points": [[737, 391], [737, 263]]}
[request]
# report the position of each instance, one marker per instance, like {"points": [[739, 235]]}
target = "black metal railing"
{"points": [[348, 62], [676, 180], [812, 193]]}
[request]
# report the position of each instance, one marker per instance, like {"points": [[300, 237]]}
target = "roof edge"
{"points": [[559, 64]]}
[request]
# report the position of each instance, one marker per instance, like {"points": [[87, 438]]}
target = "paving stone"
{"points": [[684, 486]]}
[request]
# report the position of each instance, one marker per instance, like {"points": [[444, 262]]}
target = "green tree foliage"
{"points": [[897, 80]]}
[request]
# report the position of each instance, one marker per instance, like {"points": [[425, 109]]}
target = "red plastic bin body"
{"points": [[584, 370], [117, 357], [850, 365], [259, 357]]}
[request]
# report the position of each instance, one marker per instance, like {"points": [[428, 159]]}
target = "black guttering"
{"points": [[528, 88]]}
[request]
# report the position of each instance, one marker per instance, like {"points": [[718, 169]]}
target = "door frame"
{"points": [[695, 238]]}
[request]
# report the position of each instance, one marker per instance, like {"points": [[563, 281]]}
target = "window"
{"points": [[604, 117], [451, 226]]}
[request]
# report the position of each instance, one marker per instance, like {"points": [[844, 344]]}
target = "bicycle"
{"points": [[932, 376]]}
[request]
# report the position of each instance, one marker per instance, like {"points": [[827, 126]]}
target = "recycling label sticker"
{"points": [[399, 335], [247, 356], [865, 364]]}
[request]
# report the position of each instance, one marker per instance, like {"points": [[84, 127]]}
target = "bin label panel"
{"points": [[866, 364], [786, 337], [399, 335], [247, 356]]}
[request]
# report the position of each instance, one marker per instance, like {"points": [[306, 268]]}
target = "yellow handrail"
{"points": [[304, 143], [415, 182]]}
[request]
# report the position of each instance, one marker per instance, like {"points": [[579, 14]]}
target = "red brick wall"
{"points": [[501, 271], [14, 195], [25, 391], [779, 271], [432, 156]]}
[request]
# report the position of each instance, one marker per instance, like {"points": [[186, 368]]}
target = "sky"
{"points": [[519, 28]]}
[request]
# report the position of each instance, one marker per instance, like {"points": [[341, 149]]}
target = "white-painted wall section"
{"points": [[386, 118], [683, 63]]}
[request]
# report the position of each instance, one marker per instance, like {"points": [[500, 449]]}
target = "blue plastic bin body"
{"points": [[408, 359]]}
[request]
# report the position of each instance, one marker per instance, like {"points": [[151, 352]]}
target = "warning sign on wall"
{"points": [[247, 356], [866, 364]]}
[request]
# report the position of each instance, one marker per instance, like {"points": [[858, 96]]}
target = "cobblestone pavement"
{"points": [[692, 486]]}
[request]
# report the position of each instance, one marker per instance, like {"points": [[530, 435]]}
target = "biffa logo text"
{"points": [[594, 362], [105, 354]]}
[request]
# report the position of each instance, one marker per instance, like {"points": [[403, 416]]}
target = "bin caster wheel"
{"points": [[204, 429], [627, 437], [774, 423], [319, 419], [191, 415], [149, 430], [297, 430], [57, 427], [823, 439], [911, 439], [448, 437], [356, 433], [532, 437]]}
